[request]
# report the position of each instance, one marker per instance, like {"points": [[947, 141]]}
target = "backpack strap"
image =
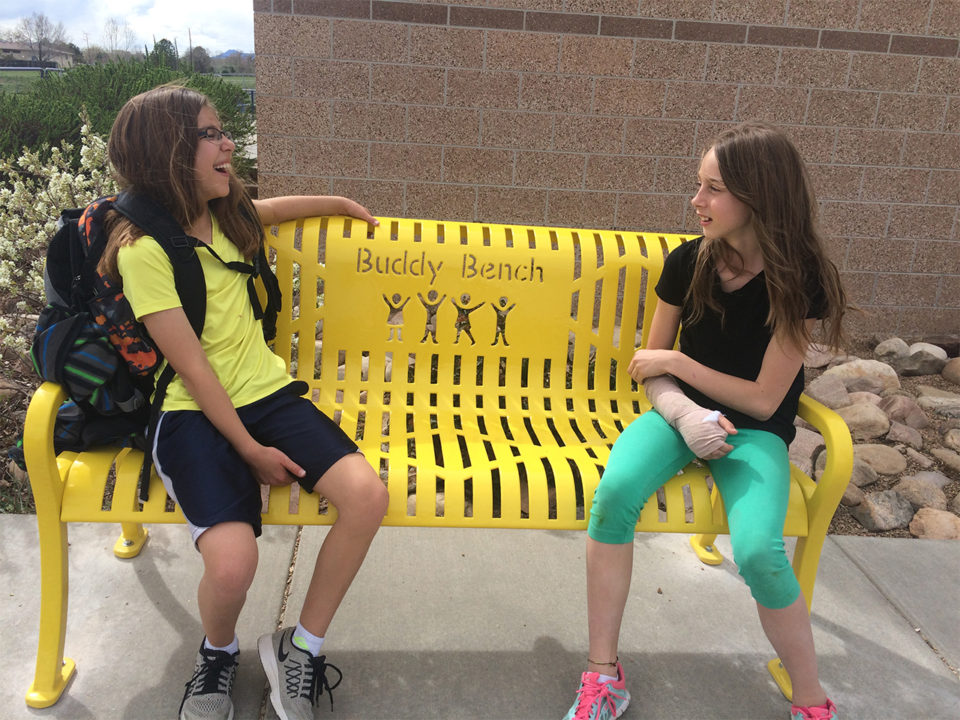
{"points": [[153, 219], [188, 276]]}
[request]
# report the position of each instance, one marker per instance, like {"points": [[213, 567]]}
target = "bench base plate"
{"points": [[45, 698]]}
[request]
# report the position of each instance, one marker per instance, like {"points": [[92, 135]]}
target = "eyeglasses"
{"points": [[214, 134]]}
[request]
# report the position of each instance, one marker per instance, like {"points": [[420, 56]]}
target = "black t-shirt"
{"points": [[734, 345]]}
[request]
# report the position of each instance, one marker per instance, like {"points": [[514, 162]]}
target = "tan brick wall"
{"points": [[595, 112]]}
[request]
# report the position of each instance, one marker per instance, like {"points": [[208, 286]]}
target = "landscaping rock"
{"points": [[937, 479], [918, 458], [900, 433], [804, 449], [829, 390], [885, 510], [865, 420], [952, 439], [939, 401], [852, 496], [935, 525], [921, 493], [862, 474], [817, 356], [905, 410], [951, 371], [891, 348], [885, 460], [868, 375], [949, 458], [923, 359]]}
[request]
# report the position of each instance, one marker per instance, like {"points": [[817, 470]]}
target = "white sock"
{"points": [[233, 648], [305, 640], [605, 678]]}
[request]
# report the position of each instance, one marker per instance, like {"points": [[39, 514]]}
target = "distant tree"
{"points": [[45, 114], [40, 33], [164, 54], [77, 52], [245, 63], [198, 60], [94, 54], [117, 37]]}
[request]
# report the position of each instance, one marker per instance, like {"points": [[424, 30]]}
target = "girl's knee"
{"points": [[231, 578], [615, 508], [230, 556], [356, 490], [766, 570]]}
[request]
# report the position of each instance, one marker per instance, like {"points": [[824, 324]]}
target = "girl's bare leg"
{"points": [[360, 497], [229, 552], [789, 631], [608, 584]]}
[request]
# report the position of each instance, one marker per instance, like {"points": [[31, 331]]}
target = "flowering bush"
{"points": [[32, 194]]}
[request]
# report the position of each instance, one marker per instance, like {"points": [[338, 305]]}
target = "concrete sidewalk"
{"points": [[491, 624]]}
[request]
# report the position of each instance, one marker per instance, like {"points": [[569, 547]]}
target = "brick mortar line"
{"points": [[618, 192], [852, 34], [691, 158]]}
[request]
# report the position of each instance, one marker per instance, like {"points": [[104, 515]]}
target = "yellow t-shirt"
{"points": [[232, 338]]}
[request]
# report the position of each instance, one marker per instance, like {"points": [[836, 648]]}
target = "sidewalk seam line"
{"points": [[901, 610], [281, 613]]}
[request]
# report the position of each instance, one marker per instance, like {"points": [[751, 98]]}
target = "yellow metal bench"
{"points": [[481, 369]]}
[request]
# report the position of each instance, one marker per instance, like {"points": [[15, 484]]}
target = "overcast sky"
{"points": [[216, 26]]}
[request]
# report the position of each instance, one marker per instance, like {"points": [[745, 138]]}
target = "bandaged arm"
{"points": [[699, 427]]}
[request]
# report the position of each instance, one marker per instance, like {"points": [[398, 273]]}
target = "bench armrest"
{"points": [[45, 480], [823, 501]]}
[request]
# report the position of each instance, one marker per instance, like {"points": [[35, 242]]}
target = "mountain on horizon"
{"points": [[231, 53]]}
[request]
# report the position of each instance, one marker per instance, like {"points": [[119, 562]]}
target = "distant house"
{"points": [[20, 53]]}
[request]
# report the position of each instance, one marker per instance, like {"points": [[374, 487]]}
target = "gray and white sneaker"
{"points": [[207, 696], [297, 678]]}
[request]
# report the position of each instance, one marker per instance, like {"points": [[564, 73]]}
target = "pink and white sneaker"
{"points": [[819, 712], [599, 701]]}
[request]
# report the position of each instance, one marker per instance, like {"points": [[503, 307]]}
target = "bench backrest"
{"points": [[553, 312]]}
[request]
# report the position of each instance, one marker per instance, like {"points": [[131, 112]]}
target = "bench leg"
{"points": [[131, 540], [781, 678], [53, 671], [705, 549], [702, 544]]}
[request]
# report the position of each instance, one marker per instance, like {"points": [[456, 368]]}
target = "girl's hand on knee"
{"points": [[271, 466], [720, 449], [705, 433]]}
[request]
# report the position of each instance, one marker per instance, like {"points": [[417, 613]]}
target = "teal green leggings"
{"points": [[754, 481]]}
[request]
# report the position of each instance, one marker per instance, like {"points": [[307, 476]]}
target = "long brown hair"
{"points": [[152, 148], [762, 168]]}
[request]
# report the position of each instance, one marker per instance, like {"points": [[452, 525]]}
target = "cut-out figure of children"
{"points": [[501, 310], [395, 315], [462, 323], [431, 304]]}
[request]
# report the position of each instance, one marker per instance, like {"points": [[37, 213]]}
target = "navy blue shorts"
{"points": [[210, 481]]}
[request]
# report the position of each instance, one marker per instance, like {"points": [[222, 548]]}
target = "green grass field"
{"points": [[17, 80], [247, 82]]}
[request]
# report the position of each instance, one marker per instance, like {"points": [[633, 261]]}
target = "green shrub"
{"points": [[47, 114], [33, 191]]}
